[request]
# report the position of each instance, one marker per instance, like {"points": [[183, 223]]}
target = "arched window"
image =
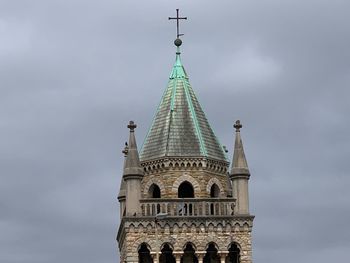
{"points": [[167, 255], [212, 255], [185, 190], [214, 191], [154, 191], [233, 254], [189, 254], [144, 254]]}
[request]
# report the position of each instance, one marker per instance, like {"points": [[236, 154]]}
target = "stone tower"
{"points": [[179, 201]]}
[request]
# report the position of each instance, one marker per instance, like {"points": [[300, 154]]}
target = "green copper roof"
{"points": [[180, 128]]}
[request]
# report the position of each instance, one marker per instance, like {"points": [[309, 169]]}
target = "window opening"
{"points": [[189, 255], [154, 191], [185, 190], [214, 191], [212, 255], [167, 255], [144, 254], [233, 255]]}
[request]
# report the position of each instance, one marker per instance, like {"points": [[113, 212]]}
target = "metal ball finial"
{"points": [[237, 125], [178, 42]]}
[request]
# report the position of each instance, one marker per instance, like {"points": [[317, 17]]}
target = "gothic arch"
{"points": [[212, 243], [216, 181], [151, 244], [146, 244], [191, 243], [155, 181], [182, 241], [144, 253], [234, 243], [171, 246], [189, 179]]}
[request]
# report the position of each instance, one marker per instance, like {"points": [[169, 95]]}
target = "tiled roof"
{"points": [[180, 128]]}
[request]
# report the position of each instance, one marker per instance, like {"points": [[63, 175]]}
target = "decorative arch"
{"points": [[189, 253], [211, 254], [216, 181], [189, 179], [151, 244], [154, 191], [149, 183], [144, 253], [167, 255], [190, 243], [171, 246], [212, 243], [234, 253], [145, 244], [234, 243], [185, 190]]}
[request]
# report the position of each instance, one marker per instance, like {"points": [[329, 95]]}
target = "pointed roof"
{"points": [[122, 190], [132, 163], [180, 128], [239, 162]]}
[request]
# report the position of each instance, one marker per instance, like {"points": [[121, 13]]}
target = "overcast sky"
{"points": [[73, 73]]}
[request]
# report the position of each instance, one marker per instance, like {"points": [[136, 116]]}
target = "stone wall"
{"points": [[169, 181], [178, 232]]}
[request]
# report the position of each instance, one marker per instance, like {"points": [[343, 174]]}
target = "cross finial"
{"points": [[178, 25], [237, 125], [132, 126], [126, 149]]}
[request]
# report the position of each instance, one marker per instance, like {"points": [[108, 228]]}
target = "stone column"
{"points": [[223, 256], [154, 257], [178, 258], [200, 257]]}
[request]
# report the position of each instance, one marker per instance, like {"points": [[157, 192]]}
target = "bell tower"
{"points": [[179, 200]]}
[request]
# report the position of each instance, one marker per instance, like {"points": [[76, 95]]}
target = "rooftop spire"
{"points": [[239, 162], [180, 127], [122, 190], [132, 162]]}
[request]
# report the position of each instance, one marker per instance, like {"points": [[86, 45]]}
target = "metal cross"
{"points": [[177, 22], [132, 126], [237, 125]]}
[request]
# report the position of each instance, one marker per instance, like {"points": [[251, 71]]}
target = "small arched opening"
{"points": [[144, 254], [167, 255], [214, 191], [234, 255], [154, 191], [212, 254], [185, 190], [189, 254]]}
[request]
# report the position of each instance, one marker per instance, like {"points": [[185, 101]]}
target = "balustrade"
{"points": [[188, 206]]}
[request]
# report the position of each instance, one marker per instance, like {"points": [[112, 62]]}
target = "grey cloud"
{"points": [[72, 74]]}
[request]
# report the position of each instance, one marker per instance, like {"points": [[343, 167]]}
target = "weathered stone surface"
{"points": [[178, 232], [169, 180]]}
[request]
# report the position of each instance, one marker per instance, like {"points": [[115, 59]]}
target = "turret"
{"points": [[132, 176], [240, 174], [122, 190]]}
